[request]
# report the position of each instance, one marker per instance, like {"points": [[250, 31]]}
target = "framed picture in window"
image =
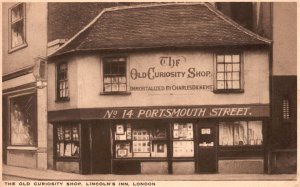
{"points": [[122, 153], [120, 129], [160, 133], [160, 147]]}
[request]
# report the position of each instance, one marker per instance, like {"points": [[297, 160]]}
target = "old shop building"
{"points": [[161, 88], [24, 105]]}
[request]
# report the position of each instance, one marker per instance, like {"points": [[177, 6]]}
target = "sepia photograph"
{"points": [[154, 93]]}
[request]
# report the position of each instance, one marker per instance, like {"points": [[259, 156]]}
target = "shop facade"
{"points": [[160, 106]]}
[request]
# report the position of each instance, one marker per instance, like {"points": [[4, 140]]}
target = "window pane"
{"points": [[183, 148], [220, 85], [236, 67], [236, 58], [23, 120], [235, 84], [114, 79], [240, 133], [122, 68], [225, 134], [228, 58], [220, 58], [220, 67], [255, 132], [106, 68], [107, 88], [228, 76], [236, 76], [17, 34], [220, 76], [114, 68], [122, 80], [17, 13], [229, 84], [122, 87], [228, 67], [114, 87], [107, 80]]}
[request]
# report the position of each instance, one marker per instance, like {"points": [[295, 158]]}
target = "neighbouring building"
{"points": [[160, 88], [278, 22], [24, 96]]}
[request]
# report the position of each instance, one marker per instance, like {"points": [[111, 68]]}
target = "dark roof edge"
{"points": [[158, 47], [236, 25]]}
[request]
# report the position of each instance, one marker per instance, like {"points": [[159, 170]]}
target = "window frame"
{"points": [[24, 44], [57, 81], [241, 72], [118, 92], [34, 95], [234, 146], [57, 141]]}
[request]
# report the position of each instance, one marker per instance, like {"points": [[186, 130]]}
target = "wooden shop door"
{"points": [[101, 148], [206, 148]]}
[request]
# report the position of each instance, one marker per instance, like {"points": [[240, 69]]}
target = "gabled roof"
{"points": [[160, 25]]}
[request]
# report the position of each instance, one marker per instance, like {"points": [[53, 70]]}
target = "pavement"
{"points": [[19, 173]]}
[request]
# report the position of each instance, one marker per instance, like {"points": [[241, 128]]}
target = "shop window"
{"points": [[140, 142], [286, 111], [240, 133], [23, 119], [67, 144], [228, 73], [183, 143], [114, 75], [62, 83], [17, 26]]}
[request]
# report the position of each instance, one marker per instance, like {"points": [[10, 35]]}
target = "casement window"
{"points": [[240, 133], [286, 110], [228, 72], [67, 140], [114, 75], [62, 83], [23, 120], [17, 27]]}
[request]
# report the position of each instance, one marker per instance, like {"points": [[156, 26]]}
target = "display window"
{"points": [[140, 142], [183, 140], [23, 125], [67, 143], [240, 133]]}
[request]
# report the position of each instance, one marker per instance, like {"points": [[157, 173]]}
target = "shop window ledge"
{"points": [[25, 148]]}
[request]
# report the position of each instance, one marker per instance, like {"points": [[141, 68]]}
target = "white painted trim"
{"points": [[28, 148], [55, 42]]}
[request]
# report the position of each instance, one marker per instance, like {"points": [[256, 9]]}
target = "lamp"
{"points": [[39, 72]]}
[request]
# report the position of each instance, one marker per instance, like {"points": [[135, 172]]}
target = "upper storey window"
{"points": [[17, 37], [228, 73], [114, 75], [62, 83]]}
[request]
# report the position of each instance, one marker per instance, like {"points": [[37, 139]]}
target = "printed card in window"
{"points": [[120, 129]]}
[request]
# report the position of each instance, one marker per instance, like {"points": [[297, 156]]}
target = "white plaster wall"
{"points": [[36, 37], [87, 70]]}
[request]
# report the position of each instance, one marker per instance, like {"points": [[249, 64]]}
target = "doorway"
{"points": [[101, 148], [206, 147]]}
